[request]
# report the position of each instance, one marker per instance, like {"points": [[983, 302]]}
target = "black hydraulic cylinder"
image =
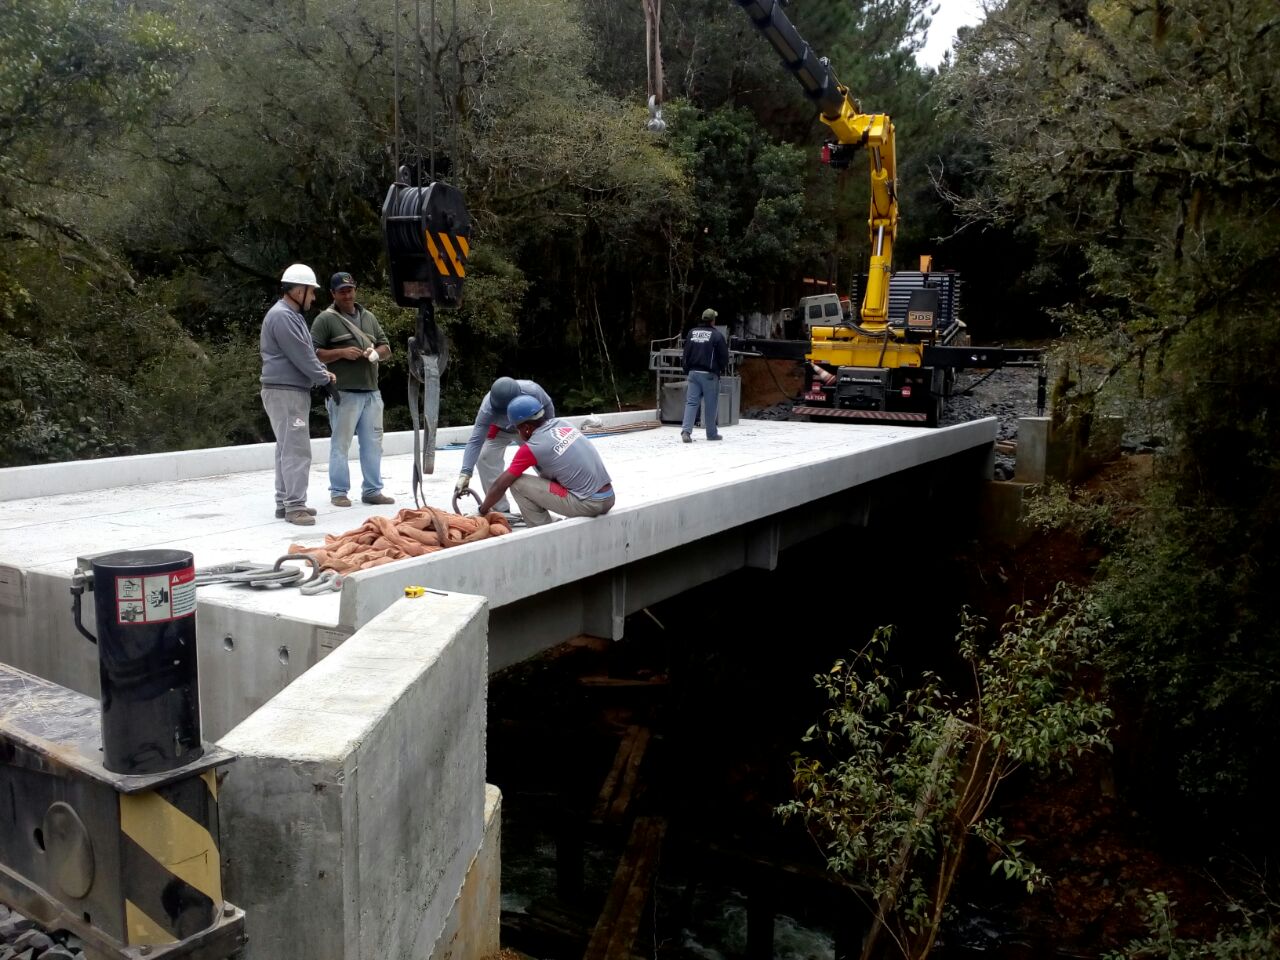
{"points": [[814, 74], [146, 610]]}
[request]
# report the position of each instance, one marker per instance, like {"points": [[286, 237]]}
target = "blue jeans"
{"points": [[359, 415], [704, 388]]}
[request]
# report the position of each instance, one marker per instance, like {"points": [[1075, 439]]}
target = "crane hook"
{"points": [[656, 124]]}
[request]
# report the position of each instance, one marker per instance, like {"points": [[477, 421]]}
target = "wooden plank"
{"points": [[610, 785], [630, 776], [626, 927], [615, 932], [622, 682]]}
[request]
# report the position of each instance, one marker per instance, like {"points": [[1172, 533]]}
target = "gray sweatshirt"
{"points": [[489, 422], [288, 355]]}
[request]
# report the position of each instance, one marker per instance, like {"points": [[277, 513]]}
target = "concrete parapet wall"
{"points": [[48, 479], [356, 808]]}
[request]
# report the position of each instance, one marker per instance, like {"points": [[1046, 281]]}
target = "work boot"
{"points": [[716, 437], [686, 438], [378, 498], [341, 500], [301, 518], [280, 511]]}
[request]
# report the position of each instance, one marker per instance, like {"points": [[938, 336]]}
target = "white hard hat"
{"points": [[300, 275]]}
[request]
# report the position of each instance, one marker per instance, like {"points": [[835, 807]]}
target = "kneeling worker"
{"points": [[571, 481], [493, 431]]}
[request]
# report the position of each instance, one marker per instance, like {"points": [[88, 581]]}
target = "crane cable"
{"points": [[653, 63], [428, 349]]}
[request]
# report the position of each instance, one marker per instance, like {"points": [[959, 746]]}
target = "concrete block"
{"points": [[728, 412], [475, 925], [356, 808], [245, 659], [1033, 450], [1000, 511], [1066, 454]]}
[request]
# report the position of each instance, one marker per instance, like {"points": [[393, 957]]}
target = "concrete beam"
{"points": [[604, 606], [508, 569], [762, 546]]}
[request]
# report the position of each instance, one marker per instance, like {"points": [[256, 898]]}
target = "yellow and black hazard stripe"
{"points": [[171, 870], [450, 254]]}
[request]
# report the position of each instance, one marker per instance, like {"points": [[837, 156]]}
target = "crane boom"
{"points": [[851, 128]]}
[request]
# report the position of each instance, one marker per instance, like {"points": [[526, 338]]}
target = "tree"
{"points": [[1137, 143], [909, 777], [72, 75]]}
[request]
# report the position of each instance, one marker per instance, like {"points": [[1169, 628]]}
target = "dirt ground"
{"points": [[766, 382]]}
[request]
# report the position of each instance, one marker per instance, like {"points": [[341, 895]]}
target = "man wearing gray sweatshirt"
{"points": [[290, 369]]}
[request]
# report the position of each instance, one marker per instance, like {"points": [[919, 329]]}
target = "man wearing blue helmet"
{"points": [[487, 445], [571, 479]]}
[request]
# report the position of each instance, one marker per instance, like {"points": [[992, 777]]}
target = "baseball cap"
{"points": [[340, 280], [709, 314]]}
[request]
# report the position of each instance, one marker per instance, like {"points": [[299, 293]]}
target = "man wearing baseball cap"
{"points": [[706, 355], [350, 341]]}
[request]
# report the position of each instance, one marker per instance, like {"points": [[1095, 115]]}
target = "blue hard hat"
{"points": [[524, 408]]}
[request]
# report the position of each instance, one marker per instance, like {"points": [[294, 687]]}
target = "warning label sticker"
{"points": [[156, 598]]}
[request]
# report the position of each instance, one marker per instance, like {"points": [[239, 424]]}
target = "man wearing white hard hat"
{"points": [[290, 368]]}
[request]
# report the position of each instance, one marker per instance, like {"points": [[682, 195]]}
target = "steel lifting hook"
{"points": [[465, 492]]}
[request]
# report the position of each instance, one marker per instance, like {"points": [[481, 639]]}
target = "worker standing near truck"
{"points": [[572, 480], [706, 356], [290, 368], [486, 448]]}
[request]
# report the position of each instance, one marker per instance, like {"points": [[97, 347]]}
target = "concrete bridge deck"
{"points": [[685, 514]]}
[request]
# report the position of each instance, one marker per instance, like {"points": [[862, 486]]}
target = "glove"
{"points": [[331, 389], [463, 484]]}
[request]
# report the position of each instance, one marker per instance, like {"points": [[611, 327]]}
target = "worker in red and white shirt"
{"points": [[571, 479], [487, 445]]}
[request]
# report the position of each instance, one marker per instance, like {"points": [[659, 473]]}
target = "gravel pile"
{"points": [[22, 939]]}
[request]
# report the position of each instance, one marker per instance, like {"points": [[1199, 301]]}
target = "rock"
{"points": [[34, 939], [58, 952], [14, 925]]}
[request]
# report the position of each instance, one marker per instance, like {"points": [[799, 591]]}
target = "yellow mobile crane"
{"points": [[875, 367]]}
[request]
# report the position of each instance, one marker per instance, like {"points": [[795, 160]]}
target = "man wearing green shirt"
{"points": [[350, 341]]}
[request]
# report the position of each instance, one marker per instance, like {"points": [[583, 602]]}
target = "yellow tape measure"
{"points": [[414, 591]]}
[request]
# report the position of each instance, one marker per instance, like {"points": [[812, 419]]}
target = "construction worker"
{"points": [[706, 355], [350, 340], [492, 432], [290, 368], [571, 480]]}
